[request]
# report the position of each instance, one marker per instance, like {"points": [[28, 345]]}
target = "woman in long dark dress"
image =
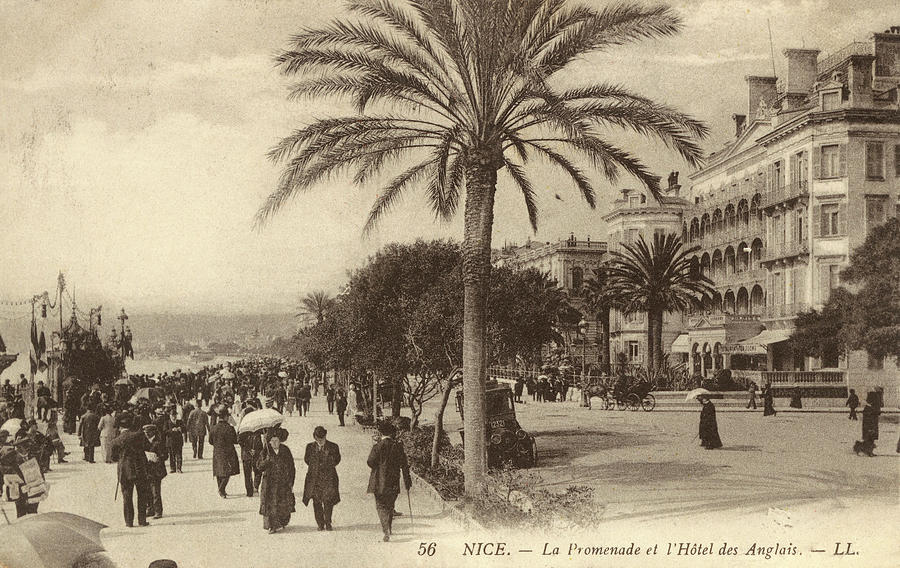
{"points": [[276, 493], [709, 428], [870, 414], [768, 401]]}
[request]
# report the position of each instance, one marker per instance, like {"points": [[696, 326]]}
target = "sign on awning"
{"points": [[742, 348], [756, 345]]}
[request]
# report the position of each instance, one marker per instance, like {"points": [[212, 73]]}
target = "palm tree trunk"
{"points": [[604, 340], [656, 317], [651, 340], [481, 180]]}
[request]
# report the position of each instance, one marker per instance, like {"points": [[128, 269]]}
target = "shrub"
{"points": [[447, 477]]}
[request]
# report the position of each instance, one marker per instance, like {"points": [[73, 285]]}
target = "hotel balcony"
{"points": [[732, 235], [784, 310], [755, 276], [781, 251], [785, 194]]}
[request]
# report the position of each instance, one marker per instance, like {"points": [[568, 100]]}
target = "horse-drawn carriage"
{"points": [[622, 395]]}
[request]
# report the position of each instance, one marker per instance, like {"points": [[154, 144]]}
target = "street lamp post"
{"points": [[122, 318]]}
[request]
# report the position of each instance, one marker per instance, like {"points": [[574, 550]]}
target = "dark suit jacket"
{"points": [[222, 438], [128, 449], [89, 430], [321, 475], [197, 424], [387, 459]]}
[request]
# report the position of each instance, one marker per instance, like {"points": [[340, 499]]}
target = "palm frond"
{"points": [[393, 191], [517, 173]]}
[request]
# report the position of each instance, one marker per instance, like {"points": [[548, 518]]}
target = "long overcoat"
{"points": [[709, 428], [89, 430], [387, 460], [197, 424], [128, 450], [222, 438], [276, 492], [321, 474]]}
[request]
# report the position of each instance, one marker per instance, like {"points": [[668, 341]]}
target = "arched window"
{"points": [[577, 278]]}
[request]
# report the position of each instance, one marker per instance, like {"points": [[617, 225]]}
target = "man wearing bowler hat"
{"points": [[387, 460], [223, 438], [128, 449]]}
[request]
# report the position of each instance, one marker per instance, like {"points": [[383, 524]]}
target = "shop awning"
{"points": [[769, 337], [682, 344], [756, 345]]}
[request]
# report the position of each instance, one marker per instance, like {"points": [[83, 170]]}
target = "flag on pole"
{"points": [[35, 349], [42, 353]]}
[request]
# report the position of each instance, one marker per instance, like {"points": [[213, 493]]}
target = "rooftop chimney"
{"points": [[859, 80], [739, 121], [801, 70], [761, 90]]}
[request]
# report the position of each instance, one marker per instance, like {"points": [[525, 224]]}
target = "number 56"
{"points": [[427, 548]]}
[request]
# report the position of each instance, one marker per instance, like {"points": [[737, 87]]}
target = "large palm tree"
{"points": [[599, 299], [656, 279], [460, 90], [315, 304]]}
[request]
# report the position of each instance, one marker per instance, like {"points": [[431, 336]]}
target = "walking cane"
{"points": [[409, 502], [116, 496]]}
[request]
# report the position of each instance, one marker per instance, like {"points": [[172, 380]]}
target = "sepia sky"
{"points": [[133, 139]]}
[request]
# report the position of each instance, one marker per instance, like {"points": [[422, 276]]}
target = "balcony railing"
{"points": [[777, 251], [807, 378], [784, 310], [855, 48], [784, 194], [747, 276], [731, 235]]}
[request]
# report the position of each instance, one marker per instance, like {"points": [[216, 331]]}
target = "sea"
{"points": [[138, 366]]}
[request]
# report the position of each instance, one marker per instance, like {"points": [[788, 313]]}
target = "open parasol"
{"points": [[282, 374], [226, 374], [259, 419], [148, 393], [12, 426], [124, 381], [49, 540], [695, 393]]}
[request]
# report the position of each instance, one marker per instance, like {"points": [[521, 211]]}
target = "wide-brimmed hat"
{"points": [[150, 429], [279, 433]]}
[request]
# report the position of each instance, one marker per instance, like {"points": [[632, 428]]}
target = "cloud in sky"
{"points": [[133, 141]]}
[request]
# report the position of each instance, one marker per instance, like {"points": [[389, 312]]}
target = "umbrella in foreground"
{"points": [[149, 393], [49, 540], [259, 419], [695, 393], [12, 425]]}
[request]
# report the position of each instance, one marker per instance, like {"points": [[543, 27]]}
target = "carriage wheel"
{"points": [[621, 404], [633, 401], [649, 403]]}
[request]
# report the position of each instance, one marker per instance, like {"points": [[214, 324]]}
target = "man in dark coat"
{"points": [[321, 485], [329, 398], [768, 401], [341, 405], [197, 426], [387, 460], [128, 450], [709, 428], [156, 468], [89, 432], [43, 401], [852, 403], [223, 438], [305, 396], [251, 448]]}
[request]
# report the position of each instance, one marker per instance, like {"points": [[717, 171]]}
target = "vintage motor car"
{"points": [[507, 441]]}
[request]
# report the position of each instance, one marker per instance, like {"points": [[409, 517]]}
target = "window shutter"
{"points": [[897, 160], [770, 178], [817, 219], [842, 219], [870, 160], [817, 162], [842, 156]]}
